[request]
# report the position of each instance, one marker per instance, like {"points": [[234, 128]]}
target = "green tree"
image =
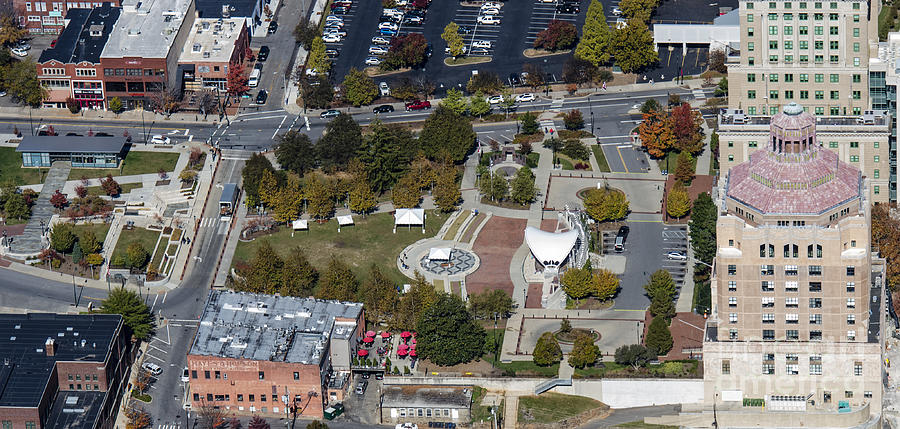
{"points": [[529, 123], [453, 38], [137, 318], [523, 190], [661, 291], [379, 295], [446, 191], [136, 255], [455, 101], [21, 82], [10, 30], [633, 45], [359, 88], [362, 199], [77, 254], [264, 274], [253, 171], [659, 339], [485, 82], [317, 60], [565, 326], [634, 355], [491, 302], [508, 102], [678, 202], [573, 120], [577, 282], [547, 351], [16, 207], [605, 204], [495, 186], [594, 45], [420, 297], [337, 282], [584, 351], [62, 237], [703, 228], [478, 105], [295, 152], [386, 154], [447, 334], [342, 139], [684, 171], [318, 197], [298, 276], [447, 132], [650, 106], [406, 194], [115, 104], [89, 242], [605, 284]]}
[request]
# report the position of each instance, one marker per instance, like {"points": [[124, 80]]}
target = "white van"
{"points": [[254, 78]]}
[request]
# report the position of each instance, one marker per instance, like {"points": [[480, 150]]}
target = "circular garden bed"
{"points": [[569, 337]]}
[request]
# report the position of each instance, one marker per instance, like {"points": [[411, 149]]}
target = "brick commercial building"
{"points": [[424, 404], [61, 371], [49, 17], [265, 354], [212, 47]]}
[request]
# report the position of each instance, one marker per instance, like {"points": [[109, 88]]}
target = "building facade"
{"points": [[795, 318], [424, 404], [862, 141], [272, 355], [811, 52], [213, 45], [49, 17], [81, 152], [883, 81]]}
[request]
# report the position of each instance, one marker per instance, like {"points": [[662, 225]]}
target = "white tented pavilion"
{"points": [[300, 224], [439, 253], [409, 218], [551, 249]]}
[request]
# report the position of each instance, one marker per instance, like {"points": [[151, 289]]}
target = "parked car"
{"points": [[492, 4], [497, 99], [329, 114], [418, 105], [365, 375], [413, 20], [387, 32], [378, 40], [53, 43], [514, 79], [19, 51], [619, 245], [152, 368], [463, 29], [263, 53], [525, 98], [568, 8], [340, 10], [262, 97], [480, 51], [384, 108], [486, 44], [377, 50], [332, 53], [384, 89], [185, 375], [388, 26], [273, 27], [488, 20], [331, 38], [334, 24], [490, 11], [334, 31], [160, 139], [258, 66], [465, 50], [616, 11], [70, 134], [333, 18], [678, 256], [373, 61]]}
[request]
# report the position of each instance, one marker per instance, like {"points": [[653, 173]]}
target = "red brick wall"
{"points": [[55, 26], [241, 377], [59, 95], [143, 64]]}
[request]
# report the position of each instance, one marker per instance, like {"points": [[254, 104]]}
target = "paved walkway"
{"points": [[32, 242], [511, 411]]}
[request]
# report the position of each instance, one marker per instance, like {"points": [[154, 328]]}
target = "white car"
{"points": [[160, 139], [333, 18], [334, 24], [334, 31], [20, 52], [617, 11], [152, 368], [377, 50], [331, 38], [490, 11], [525, 98], [372, 61], [464, 51], [381, 40], [497, 99], [486, 44], [492, 4], [678, 256], [488, 19], [388, 26], [384, 89], [184, 375]]}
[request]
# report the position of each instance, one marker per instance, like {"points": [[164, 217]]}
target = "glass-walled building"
{"points": [[883, 79], [82, 152]]}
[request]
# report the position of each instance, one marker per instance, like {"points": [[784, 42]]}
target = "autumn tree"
{"points": [[584, 351], [258, 422], [579, 71], [236, 80], [886, 236], [362, 199], [405, 193], [110, 186], [142, 381], [268, 188], [446, 190], [633, 46], [59, 200], [337, 282], [605, 204], [320, 204], [20, 80], [558, 35], [686, 124], [453, 38], [656, 133], [490, 303], [210, 416], [413, 303], [288, 202], [298, 276], [596, 36], [605, 284], [137, 418], [406, 50], [486, 82], [317, 60], [573, 120], [684, 170], [379, 295], [678, 202], [359, 88], [546, 350], [577, 282], [10, 30]]}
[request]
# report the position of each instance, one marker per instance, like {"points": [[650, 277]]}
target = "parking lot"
{"points": [[675, 239], [467, 19], [544, 12], [623, 157], [362, 408]]}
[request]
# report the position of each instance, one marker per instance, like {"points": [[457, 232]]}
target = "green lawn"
{"points": [[134, 163], [454, 228], [672, 156], [370, 241], [100, 230], [528, 368], [670, 369], [569, 163], [532, 159], [552, 407], [125, 188], [11, 168], [146, 237], [602, 164]]}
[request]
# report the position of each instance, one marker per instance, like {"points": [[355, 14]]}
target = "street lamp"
{"points": [[591, 104]]}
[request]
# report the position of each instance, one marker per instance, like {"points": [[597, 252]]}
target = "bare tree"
{"points": [[207, 102], [167, 100], [211, 416], [425, 85]]}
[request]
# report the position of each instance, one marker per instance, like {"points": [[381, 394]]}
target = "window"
{"points": [[792, 335], [851, 335], [773, 30], [815, 286], [769, 334], [262, 397], [792, 318], [773, 94], [768, 368], [851, 270], [768, 286], [848, 393], [751, 94], [218, 375], [30, 424], [851, 319], [815, 335], [788, 31], [856, 61], [792, 302], [751, 144], [815, 319], [731, 157], [855, 47], [194, 374], [815, 303], [773, 77], [788, 77], [876, 189], [262, 375], [732, 270], [856, 32], [803, 76], [835, 95], [768, 301], [815, 365], [877, 158], [732, 334], [790, 270], [732, 317], [732, 301], [749, 17], [791, 286], [768, 318], [767, 270], [820, 95], [818, 30], [851, 287], [867, 394], [732, 286], [773, 17], [296, 375], [851, 302], [751, 77], [788, 94], [749, 5], [206, 375], [804, 30], [815, 270], [804, 95]]}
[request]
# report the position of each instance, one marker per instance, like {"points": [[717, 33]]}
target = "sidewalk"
{"points": [[106, 116]]}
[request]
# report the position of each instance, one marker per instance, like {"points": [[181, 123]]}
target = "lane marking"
{"points": [[622, 158]]}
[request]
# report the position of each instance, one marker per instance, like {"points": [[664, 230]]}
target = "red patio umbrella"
{"points": [[370, 333], [385, 334], [405, 334], [412, 352], [368, 340], [401, 352], [403, 347], [362, 352]]}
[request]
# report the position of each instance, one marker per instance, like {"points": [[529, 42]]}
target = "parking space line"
{"points": [[154, 357], [622, 158], [157, 348]]}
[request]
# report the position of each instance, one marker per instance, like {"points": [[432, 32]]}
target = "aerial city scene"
{"points": [[411, 214]]}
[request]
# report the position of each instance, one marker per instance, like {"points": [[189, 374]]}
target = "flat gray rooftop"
{"points": [[427, 396], [146, 28], [242, 325], [73, 144]]}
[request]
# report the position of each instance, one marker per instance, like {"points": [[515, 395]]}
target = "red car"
{"points": [[417, 105], [53, 43]]}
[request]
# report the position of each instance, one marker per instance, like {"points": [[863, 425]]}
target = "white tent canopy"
{"points": [[300, 224], [409, 217], [345, 220], [439, 254], [550, 248]]}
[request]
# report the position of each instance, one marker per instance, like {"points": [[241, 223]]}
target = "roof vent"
{"points": [[71, 400], [50, 345], [96, 30], [206, 55], [17, 327], [226, 11], [196, 48]]}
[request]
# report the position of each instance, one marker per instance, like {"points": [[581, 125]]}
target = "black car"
{"points": [[568, 8], [73, 134], [263, 54], [273, 27], [514, 79], [332, 53], [623, 231], [384, 108], [262, 97], [103, 135], [429, 49], [464, 29], [258, 66]]}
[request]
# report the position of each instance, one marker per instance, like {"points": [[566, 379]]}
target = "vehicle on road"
{"points": [[619, 245], [53, 43], [2, 93], [184, 375], [377, 50], [333, 411], [486, 44], [568, 8], [373, 61], [384, 108], [514, 79], [331, 113], [388, 26], [70, 134], [273, 27], [263, 53], [361, 387], [378, 40], [418, 105], [379, 376], [332, 53], [152, 368], [677, 256], [525, 98], [160, 139], [331, 38], [488, 20], [406, 426], [616, 11], [497, 99], [384, 89], [101, 134], [262, 97], [20, 52], [340, 10]]}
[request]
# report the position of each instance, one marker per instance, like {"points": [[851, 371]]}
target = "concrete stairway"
{"points": [[31, 243]]}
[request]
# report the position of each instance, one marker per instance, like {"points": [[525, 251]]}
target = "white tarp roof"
{"points": [[345, 220], [439, 254], [300, 224], [550, 248], [724, 33], [409, 217]]}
